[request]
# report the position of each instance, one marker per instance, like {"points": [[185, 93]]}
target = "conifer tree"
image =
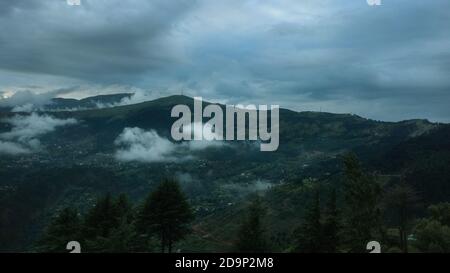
{"points": [[166, 213], [251, 235], [402, 199], [108, 226], [309, 235], [100, 219], [63, 228], [361, 200], [331, 225]]}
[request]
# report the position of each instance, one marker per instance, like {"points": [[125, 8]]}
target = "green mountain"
{"points": [[86, 103], [78, 162], [61, 104]]}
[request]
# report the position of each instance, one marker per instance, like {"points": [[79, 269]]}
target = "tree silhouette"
{"points": [[166, 213], [402, 199], [251, 234], [100, 219], [309, 235], [361, 200], [62, 229], [331, 225], [108, 226]]}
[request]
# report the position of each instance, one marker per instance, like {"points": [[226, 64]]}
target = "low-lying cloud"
{"points": [[242, 189], [137, 144], [137, 97], [23, 136], [146, 146], [7, 147], [28, 101]]}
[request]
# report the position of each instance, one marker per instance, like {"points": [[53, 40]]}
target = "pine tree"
{"points": [[108, 225], [119, 240], [402, 199], [63, 228], [166, 213], [309, 236], [331, 225], [251, 234], [362, 213], [123, 210], [100, 219]]}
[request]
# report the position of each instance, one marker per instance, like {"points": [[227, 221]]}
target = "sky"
{"points": [[388, 62]]}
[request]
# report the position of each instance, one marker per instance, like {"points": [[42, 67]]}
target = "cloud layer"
{"points": [[387, 62], [145, 146], [26, 130], [136, 144]]}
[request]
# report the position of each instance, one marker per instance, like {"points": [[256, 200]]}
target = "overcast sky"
{"points": [[388, 62]]}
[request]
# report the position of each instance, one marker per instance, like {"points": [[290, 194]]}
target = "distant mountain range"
{"points": [[87, 103], [79, 161], [61, 104]]}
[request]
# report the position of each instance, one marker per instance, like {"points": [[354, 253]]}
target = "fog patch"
{"points": [[29, 101], [242, 189], [23, 136], [144, 146], [136, 144], [137, 97], [12, 148], [184, 178]]}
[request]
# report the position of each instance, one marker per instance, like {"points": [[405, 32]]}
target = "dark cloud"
{"points": [[9, 6], [99, 40], [388, 62]]}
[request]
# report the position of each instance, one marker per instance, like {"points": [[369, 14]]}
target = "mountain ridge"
{"points": [[183, 99], [79, 161]]}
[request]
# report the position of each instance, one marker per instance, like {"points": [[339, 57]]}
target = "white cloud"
{"points": [[138, 96], [25, 100], [137, 144], [146, 146], [25, 131], [259, 186], [29, 107], [36, 98], [12, 148]]}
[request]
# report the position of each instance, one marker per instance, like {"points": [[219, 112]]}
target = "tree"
{"points": [[331, 225], [361, 200], [402, 199], [108, 225], [166, 213], [121, 239], [123, 209], [309, 235], [63, 228], [100, 219], [251, 234], [433, 234], [440, 212]]}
